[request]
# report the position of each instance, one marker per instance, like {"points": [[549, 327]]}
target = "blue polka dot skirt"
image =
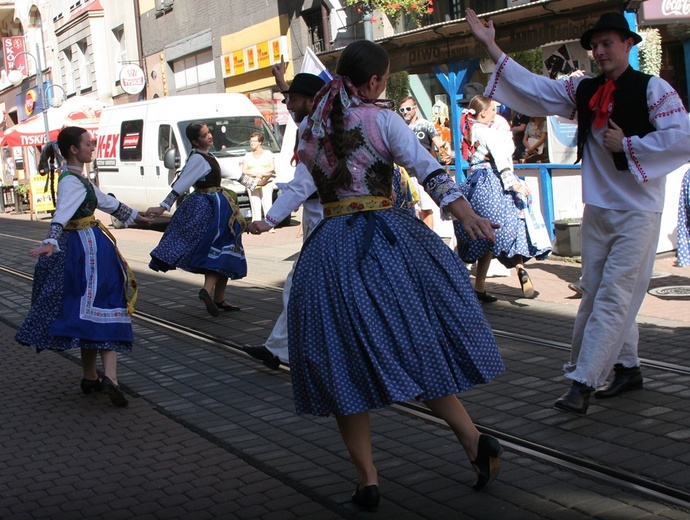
{"points": [[70, 310], [198, 239], [485, 193], [382, 311], [684, 223]]}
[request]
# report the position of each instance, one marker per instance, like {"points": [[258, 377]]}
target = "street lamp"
{"points": [[16, 77]]}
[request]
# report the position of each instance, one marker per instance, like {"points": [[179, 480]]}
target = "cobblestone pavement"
{"points": [[209, 433]]}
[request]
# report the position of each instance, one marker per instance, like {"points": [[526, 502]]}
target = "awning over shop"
{"points": [[76, 111]]}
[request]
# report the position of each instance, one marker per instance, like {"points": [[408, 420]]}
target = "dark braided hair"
{"points": [[359, 61]]}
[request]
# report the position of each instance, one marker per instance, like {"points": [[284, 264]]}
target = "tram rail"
{"points": [[620, 478]]}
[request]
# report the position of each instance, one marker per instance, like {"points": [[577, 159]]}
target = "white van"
{"points": [[142, 146]]}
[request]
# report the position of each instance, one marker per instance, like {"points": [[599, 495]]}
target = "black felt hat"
{"points": [[307, 84], [469, 91], [609, 22]]}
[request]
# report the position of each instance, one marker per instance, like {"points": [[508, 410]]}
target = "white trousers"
{"points": [[618, 252], [277, 342], [261, 198]]}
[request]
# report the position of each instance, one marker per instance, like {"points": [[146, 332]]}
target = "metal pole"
{"points": [[39, 86], [367, 10]]}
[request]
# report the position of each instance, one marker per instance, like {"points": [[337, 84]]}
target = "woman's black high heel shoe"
{"points": [[487, 464], [367, 497], [116, 395], [526, 283], [90, 385]]}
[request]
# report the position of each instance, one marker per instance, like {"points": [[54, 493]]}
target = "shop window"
{"points": [[193, 71]]}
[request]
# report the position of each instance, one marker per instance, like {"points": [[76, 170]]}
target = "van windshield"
{"points": [[231, 135]]}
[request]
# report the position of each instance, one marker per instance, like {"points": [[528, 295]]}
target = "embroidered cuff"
{"points": [[53, 234], [124, 214], [271, 222], [508, 179], [442, 188], [170, 200]]}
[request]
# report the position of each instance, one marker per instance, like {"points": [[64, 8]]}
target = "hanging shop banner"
{"points": [[132, 78], [254, 57], [11, 47], [663, 12]]}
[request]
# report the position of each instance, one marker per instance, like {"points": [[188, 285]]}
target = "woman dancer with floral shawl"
{"points": [[398, 318]]}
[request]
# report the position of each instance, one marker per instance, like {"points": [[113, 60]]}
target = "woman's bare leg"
{"points": [[89, 357], [355, 430], [451, 410], [109, 358], [482, 268]]}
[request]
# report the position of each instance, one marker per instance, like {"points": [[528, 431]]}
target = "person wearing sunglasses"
{"points": [[429, 138]]}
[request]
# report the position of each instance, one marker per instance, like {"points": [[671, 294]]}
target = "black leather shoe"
{"points": [[261, 353], [367, 497], [526, 284], [209, 303], [485, 297], [487, 464], [117, 396], [89, 385], [624, 380], [575, 400]]}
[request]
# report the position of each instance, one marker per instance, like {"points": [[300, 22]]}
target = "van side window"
{"points": [[166, 140], [131, 140]]}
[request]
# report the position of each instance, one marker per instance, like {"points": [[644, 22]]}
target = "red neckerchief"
{"points": [[466, 122], [602, 103], [295, 158]]}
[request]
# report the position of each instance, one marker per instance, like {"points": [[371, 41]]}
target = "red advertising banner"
{"points": [[11, 47]]}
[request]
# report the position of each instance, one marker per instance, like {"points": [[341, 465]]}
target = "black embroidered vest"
{"points": [[630, 110], [212, 178]]}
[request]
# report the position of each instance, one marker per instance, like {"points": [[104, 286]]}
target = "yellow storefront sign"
{"points": [[261, 55], [41, 198]]}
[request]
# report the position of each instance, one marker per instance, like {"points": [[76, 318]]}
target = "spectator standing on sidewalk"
{"points": [[429, 138], [632, 131], [80, 296]]}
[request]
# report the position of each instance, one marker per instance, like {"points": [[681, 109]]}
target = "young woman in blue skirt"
{"points": [[83, 292], [381, 310], [205, 233]]}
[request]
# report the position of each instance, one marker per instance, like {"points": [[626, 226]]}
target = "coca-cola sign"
{"points": [[661, 12]]}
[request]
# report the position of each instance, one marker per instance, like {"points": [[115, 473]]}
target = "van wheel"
{"points": [[117, 224]]}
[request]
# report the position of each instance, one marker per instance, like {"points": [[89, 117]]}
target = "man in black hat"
{"points": [[299, 98], [632, 131]]}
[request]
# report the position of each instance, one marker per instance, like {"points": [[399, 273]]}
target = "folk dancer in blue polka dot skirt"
{"points": [[83, 291], [498, 195], [381, 310], [205, 233], [683, 253]]}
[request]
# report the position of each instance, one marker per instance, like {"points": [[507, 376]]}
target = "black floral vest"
{"points": [[630, 110]]}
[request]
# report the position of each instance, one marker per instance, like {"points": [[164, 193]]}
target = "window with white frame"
{"points": [[194, 70], [82, 63], [119, 50], [68, 70]]}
